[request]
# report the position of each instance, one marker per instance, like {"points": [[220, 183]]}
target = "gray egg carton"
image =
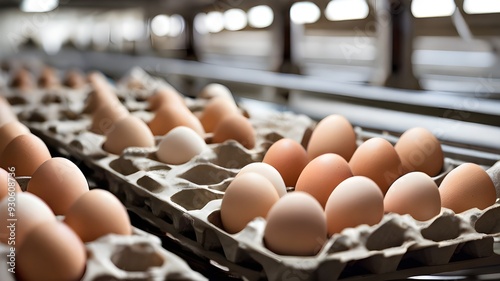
{"points": [[139, 256], [184, 202]]}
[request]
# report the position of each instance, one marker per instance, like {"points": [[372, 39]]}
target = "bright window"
{"points": [[338, 10], [304, 12], [482, 6], [432, 8]]}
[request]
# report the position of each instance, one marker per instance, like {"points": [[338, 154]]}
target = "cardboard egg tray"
{"points": [[184, 202]]}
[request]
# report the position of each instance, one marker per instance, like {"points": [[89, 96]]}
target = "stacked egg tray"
{"points": [[139, 256], [183, 201]]}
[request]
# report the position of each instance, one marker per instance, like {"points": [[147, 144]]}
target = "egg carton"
{"points": [[184, 202], [139, 256]]}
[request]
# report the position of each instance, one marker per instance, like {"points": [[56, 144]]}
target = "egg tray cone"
{"points": [[184, 201]]}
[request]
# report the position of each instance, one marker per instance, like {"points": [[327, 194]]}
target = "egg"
{"points": [[23, 80], [247, 197], [320, 177], [355, 201], [25, 153], [377, 159], [164, 96], [215, 110], [180, 145], [59, 182], [48, 78], [289, 158], [170, 116], [98, 213], [9, 131], [29, 212], [333, 134], [8, 184], [235, 127], [106, 115], [215, 90], [465, 187], [51, 251], [415, 194], [295, 226], [128, 132], [102, 93], [74, 79], [421, 151], [269, 172]]}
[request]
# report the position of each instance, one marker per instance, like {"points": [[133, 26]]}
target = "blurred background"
{"points": [[386, 65]]}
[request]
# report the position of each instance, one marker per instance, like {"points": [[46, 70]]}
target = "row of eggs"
{"points": [[350, 184], [48, 224]]}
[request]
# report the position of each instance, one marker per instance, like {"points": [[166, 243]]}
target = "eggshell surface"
{"points": [[355, 201], [320, 177], [247, 197], [51, 251], [179, 146], [235, 127], [333, 134], [416, 194], [25, 153], [467, 186], [59, 182], [377, 159], [29, 212], [296, 226], [128, 132], [98, 213], [289, 158], [268, 172], [419, 150]]}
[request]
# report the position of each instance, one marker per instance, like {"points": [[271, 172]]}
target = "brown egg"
{"points": [[106, 115], [215, 110], [6, 113], [102, 92], [8, 184], [235, 127], [30, 211], [465, 187], [25, 153], [128, 132], [23, 80], [377, 159], [333, 134], [355, 201], [74, 79], [247, 197], [58, 182], [416, 194], [9, 131], [48, 78], [51, 251], [215, 90], [419, 150], [98, 213], [163, 97], [170, 116], [289, 158], [320, 177], [296, 226]]}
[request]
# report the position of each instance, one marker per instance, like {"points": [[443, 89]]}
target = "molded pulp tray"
{"points": [[184, 200]]}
